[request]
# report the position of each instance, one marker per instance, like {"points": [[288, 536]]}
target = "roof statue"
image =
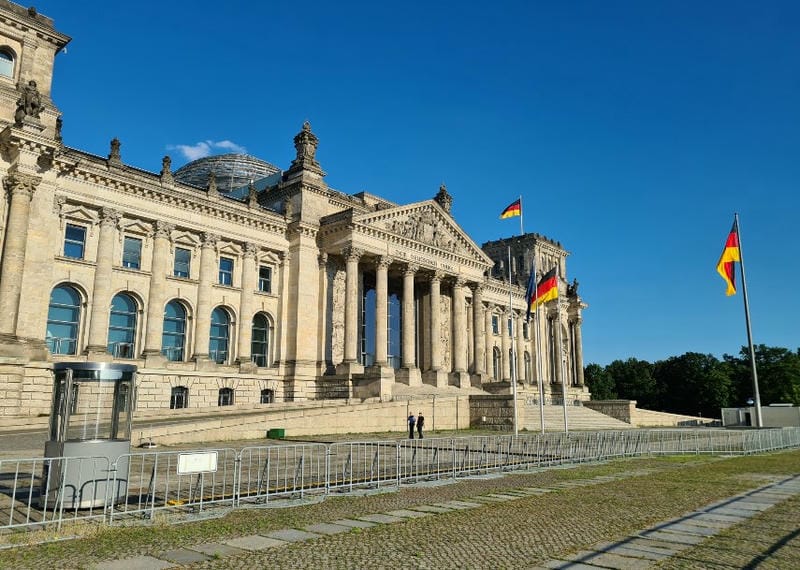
{"points": [[444, 199], [29, 103]]}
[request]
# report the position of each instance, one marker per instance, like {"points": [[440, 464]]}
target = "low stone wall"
{"points": [[622, 410], [491, 412]]}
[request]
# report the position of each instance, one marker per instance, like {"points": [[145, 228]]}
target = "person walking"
{"points": [[420, 424], [411, 421]]}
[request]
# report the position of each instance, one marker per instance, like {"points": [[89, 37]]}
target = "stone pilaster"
{"points": [[489, 339], [578, 340], [156, 296], [521, 371], [208, 276], [381, 306], [21, 188], [101, 292], [459, 377], [409, 373], [505, 346], [246, 302]]}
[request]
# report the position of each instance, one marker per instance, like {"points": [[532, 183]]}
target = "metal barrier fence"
{"points": [[38, 493]]}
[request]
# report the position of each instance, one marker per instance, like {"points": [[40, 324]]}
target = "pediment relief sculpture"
{"points": [[425, 226]]}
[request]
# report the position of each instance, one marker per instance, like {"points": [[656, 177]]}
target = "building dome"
{"points": [[232, 171]]}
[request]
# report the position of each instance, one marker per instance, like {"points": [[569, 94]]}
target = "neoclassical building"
{"points": [[234, 282]]}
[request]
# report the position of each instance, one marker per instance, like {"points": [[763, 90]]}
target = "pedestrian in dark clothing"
{"points": [[411, 421], [420, 424]]}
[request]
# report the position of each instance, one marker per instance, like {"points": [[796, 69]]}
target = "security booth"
{"points": [[90, 428]]}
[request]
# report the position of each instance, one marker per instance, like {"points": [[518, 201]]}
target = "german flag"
{"points": [[546, 290], [513, 209], [730, 255]]}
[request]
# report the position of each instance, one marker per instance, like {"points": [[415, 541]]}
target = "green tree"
{"points": [[600, 382], [634, 380], [778, 375], [693, 384]]}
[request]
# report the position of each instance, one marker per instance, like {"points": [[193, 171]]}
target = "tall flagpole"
{"points": [[512, 366], [521, 230], [756, 396], [561, 361], [537, 351]]}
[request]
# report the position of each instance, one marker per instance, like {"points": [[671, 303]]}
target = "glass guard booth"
{"points": [[90, 428]]}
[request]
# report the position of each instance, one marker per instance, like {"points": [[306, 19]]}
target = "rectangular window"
{"points": [[510, 328], [132, 253], [265, 279], [74, 241], [225, 271], [495, 325], [525, 331], [183, 261]]}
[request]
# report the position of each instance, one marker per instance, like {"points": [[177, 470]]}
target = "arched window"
{"points": [[259, 346], [179, 398], [63, 320], [220, 335], [6, 62], [173, 336], [225, 397], [122, 326], [267, 396], [496, 363]]}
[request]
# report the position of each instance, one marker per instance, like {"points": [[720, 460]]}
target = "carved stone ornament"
{"points": [[250, 250], [59, 126], [209, 239], [252, 195], [29, 104], [322, 259], [22, 184], [352, 253], [444, 199], [305, 143], [114, 156], [212, 184], [166, 169], [423, 227], [383, 262], [164, 229], [110, 217], [411, 268]]}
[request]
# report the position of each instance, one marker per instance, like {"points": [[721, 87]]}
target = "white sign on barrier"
{"points": [[202, 462]]}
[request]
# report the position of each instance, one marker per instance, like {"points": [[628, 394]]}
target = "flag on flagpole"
{"points": [[529, 293], [546, 290], [513, 209], [730, 255]]}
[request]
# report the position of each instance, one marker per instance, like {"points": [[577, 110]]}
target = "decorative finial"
{"points": [[252, 194], [212, 184], [444, 199], [305, 143], [114, 157], [166, 169]]}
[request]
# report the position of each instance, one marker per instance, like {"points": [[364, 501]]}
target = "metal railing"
{"points": [[41, 492]]}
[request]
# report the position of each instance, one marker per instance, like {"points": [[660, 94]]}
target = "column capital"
{"points": [[285, 256], [411, 268], [164, 229], [476, 288], [109, 217], [459, 281], [209, 240], [22, 184], [437, 276], [383, 261], [250, 250], [322, 259], [351, 253]]}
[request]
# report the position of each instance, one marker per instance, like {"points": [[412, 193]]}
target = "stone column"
{"points": [[488, 338], [21, 187], [158, 282], [409, 373], [381, 307], [460, 374], [101, 291], [477, 325], [249, 283], [436, 324], [352, 256], [506, 345], [578, 351], [556, 342], [208, 276]]}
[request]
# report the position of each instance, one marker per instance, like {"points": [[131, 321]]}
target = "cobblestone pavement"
{"points": [[522, 520]]}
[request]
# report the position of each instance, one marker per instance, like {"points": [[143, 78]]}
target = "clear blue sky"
{"points": [[632, 130]]}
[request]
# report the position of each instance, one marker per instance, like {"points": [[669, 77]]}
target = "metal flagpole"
{"points": [[512, 366], [561, 360], [756, 397], [537, 353], [521, 231]]}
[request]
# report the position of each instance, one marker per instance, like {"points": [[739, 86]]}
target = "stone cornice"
{"points": [[43, 29], [92, 170]]}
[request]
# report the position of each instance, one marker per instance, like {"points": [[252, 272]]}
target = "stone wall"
{"points": [[621, 410]]}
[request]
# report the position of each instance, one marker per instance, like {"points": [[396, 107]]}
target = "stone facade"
{"points": [[287, 290]]}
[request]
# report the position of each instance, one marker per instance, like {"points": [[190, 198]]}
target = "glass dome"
{"points": [[232, 171]]}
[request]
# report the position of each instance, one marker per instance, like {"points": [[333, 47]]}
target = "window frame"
{"points": [[224, 272], [226, 397], [175, 270], [77, 309], [125, 253], [168, 351], [262, 280], [70, 241], [176, 393], [495, 325], [12, 61]]}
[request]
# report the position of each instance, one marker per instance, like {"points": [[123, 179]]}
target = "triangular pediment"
{"points": [[425, 223], [80, 214], [137, 227]]}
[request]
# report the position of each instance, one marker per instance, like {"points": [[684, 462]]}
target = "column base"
{"points": [[349, 368], [154, 359], [202, 362], [98, 354], [408, 376], [460, 379], [247, 366], [438, 378], [478, 380], [375, 382]]}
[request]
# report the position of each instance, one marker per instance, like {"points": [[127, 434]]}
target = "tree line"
{"points": [[699, 384]]}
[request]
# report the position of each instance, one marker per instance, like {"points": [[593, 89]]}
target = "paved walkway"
{"points": [[641, 550]]}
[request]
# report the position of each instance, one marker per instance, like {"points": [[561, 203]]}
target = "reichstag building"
{"points": [[235, 282]]}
